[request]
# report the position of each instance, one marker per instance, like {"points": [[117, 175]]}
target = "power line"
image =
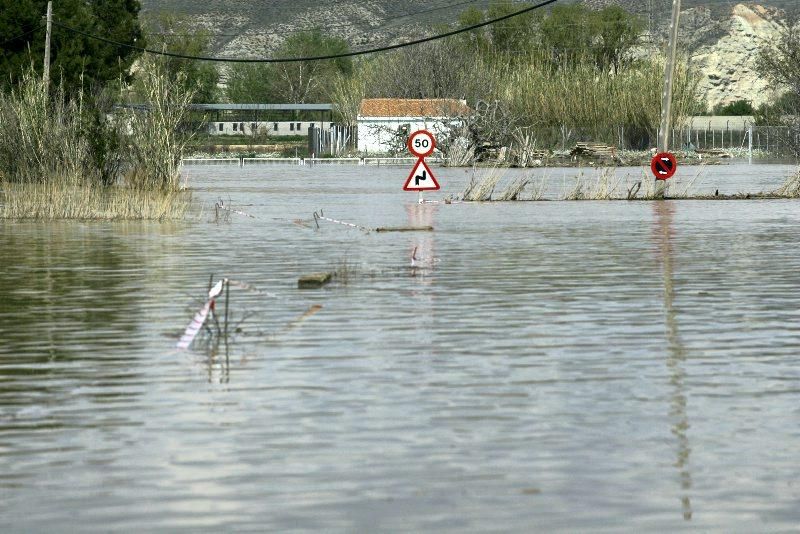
{"points": [[27, 33], [314, 58]]}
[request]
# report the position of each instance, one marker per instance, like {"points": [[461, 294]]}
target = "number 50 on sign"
{"points": [[421, 143]]}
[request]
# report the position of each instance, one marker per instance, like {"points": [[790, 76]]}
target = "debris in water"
{"points": [[200, 317], [404, 229], [314, 280]]}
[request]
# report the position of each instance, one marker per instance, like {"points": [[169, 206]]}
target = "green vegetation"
{"points": [[738, 108], [297, 82], [76, 60], [537, 80], [166, 31]]}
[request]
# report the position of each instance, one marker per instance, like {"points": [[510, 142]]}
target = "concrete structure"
{"points": [[718, 122], [385, 123]]}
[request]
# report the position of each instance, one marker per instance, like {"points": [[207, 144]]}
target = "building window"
{"points": [[241, 126], [298, 127], [275, 126], [253, 127], [331, 125], [235, 126], [291, 126], [221, 127]]}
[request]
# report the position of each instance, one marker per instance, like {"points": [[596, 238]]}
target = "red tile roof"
{"points": [[410, 107]]}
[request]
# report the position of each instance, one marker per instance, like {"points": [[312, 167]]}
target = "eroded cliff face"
{"points": [[728, 65]]}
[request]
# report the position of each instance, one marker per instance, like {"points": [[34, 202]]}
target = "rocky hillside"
{"points": [[728, 63], [720, 37]]}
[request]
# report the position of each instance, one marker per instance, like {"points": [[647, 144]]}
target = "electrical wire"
{"points": [[27, 33], [313, 58]]}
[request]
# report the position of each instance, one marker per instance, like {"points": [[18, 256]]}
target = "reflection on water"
{"points": [[663, 229], [66, 291], [512, 378]]}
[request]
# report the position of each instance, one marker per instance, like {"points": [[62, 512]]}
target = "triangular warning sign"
{"points": [[421, 178]]}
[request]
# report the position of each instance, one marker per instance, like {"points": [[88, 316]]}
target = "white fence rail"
{"points": [[241, 162]]}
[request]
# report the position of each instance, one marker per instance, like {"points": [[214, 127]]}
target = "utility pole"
{"points": [[666, 96], [669, 72], [46, 77]]}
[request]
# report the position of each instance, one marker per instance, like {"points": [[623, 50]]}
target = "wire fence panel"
{"points": [[772, 140]]}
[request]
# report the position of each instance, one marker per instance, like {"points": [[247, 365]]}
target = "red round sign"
{"points": [[421, 143], [663, 165]]}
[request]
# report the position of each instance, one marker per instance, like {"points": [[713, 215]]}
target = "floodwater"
{"points": [[547, 366]]}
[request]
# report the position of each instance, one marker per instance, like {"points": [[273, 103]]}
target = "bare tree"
{"points": [[779, 63]]}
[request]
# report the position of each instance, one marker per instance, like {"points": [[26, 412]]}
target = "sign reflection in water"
{"points": [[664, 235]]}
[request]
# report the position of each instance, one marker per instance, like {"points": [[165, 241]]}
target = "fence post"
{"points": [[750, 143]]}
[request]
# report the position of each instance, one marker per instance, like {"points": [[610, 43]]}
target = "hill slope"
{"points": [[721, 37]]}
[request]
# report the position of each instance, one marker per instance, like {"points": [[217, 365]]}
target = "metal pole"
{"points": [[750, 143], [227, 297], [46, 76]]}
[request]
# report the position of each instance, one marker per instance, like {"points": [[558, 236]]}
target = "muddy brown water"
{"points": [[555, 366]]}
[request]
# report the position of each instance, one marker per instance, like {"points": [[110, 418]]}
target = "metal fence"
{"points": [[333, 142], [772, 140]]}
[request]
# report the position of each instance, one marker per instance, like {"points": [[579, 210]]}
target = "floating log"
{"points": [[404, 229], [313, 280]]}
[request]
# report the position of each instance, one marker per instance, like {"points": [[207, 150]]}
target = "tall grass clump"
{"points": [[580, 100], [66, 156], [790, 187], [156, 142], [482, 184], [42, 136]]}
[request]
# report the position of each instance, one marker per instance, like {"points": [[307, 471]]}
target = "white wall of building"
{"points": [[376, 134], [273, 128]]}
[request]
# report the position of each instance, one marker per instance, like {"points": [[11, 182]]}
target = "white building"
{"points": [[385, 123], [271, 128]]}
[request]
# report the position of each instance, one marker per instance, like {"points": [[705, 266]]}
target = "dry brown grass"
{"points": [[482, 183], [49, 200], [790, 187], [514, 189]]}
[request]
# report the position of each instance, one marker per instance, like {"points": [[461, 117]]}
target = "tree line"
{"points": [[570, 67]]}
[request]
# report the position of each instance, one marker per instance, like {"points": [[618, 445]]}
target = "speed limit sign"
{"points": [[421, 143]]}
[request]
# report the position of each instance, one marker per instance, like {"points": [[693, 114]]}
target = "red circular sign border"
{"points": [[421, 154], [657, 158]]}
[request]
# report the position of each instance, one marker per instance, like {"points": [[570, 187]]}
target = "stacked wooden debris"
{"points": [[594, 151]]}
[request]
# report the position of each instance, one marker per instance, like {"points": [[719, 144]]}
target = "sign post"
{"points": [[421, 143]]}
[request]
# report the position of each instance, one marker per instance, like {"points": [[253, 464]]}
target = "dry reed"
{"points": [[790, 187], [538, 187], [482, 184], [156, 141], [592, 101], [64, 158], [50, 200], [514, 190]]}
